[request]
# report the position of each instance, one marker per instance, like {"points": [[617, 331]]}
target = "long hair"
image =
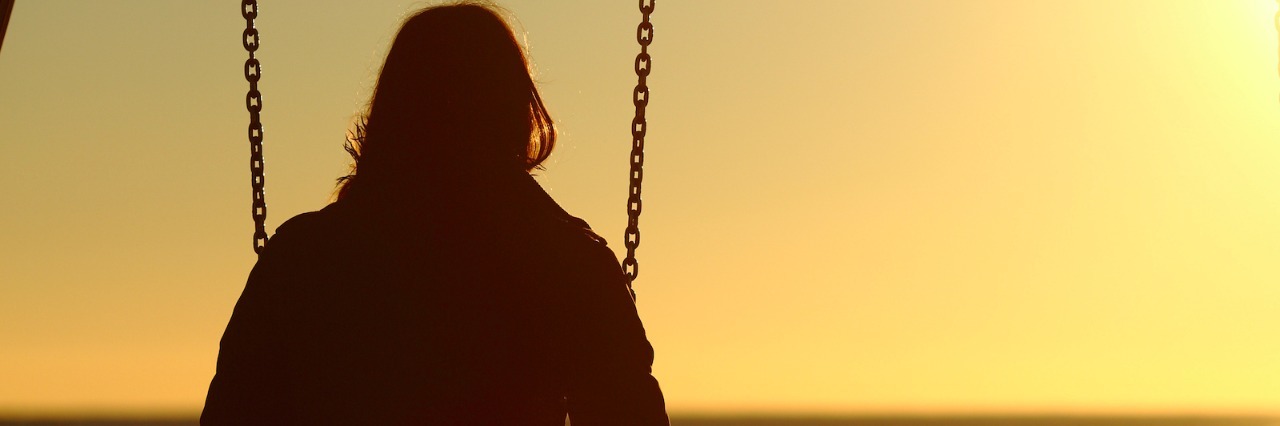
{"points": [[455, 97]]}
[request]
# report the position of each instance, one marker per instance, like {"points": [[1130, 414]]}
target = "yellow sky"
{"points": [[851, 206]]}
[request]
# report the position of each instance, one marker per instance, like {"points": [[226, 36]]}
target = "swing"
{"points": [[639, 127]]}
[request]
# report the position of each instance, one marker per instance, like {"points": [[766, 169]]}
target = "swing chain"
{"points": [[253, 102], [639, 126]]}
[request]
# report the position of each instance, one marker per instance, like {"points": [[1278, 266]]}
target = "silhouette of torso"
{"points": [[489, 306]]}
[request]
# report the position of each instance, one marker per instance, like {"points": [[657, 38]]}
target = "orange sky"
{"points": [[851, 206]]}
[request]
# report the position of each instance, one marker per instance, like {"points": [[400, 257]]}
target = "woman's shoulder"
{"points": [[310, 229], [578, 245], [579, 231]]}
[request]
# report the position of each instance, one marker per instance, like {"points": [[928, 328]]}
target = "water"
{"points": [[976, 421], [815, 421]]}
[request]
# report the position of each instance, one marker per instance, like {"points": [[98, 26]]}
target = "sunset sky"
{"points": [[896, 206]]}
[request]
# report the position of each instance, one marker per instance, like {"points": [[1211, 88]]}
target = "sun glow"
{"points": [[894, 206]]}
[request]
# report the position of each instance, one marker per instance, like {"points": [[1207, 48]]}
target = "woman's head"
{"points": [[455, 96]]}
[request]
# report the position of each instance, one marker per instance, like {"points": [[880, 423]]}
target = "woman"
{"points": [[444, 286]]}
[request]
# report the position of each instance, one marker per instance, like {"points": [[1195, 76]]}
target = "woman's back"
{"points": [[491, 307]]}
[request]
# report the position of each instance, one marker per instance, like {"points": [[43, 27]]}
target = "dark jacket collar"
{"points": [[515, 192]]}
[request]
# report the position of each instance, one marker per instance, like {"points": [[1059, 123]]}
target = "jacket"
{"points": [[485, 305]]}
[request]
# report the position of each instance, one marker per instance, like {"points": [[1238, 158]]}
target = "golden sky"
{"points": [[850, 206]]}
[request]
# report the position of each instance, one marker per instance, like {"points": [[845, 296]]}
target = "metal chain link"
{"points": [[639, 126], [253, 102]]}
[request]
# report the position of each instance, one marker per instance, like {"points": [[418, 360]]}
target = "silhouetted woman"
{"points": [[444, 286]]}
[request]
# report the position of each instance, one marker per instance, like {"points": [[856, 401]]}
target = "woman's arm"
{"points": [[254, 383], [610, 375]]}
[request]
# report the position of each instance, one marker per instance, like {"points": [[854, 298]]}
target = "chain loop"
{"points": [[252, 71], [253, 103], [249, 9], [641, 96], [639, 128], [643, 64], [644, 33], [250, 39]]}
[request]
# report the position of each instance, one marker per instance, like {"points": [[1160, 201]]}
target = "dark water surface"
{"points": [[816, 421], [973, 421]]}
